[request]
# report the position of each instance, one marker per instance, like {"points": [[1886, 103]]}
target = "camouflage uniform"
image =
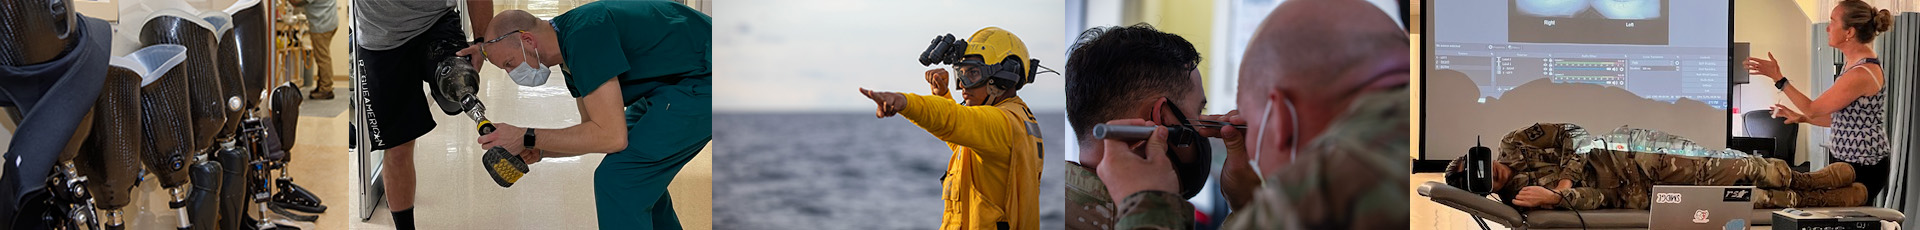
{"points": [[1613, 175], [1089, 206], [1366, 150]]}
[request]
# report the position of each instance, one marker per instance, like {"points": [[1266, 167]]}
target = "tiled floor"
{"points": [[455, 193]]}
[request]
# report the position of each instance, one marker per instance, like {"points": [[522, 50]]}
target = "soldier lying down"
{"points": [[1553, 165]]}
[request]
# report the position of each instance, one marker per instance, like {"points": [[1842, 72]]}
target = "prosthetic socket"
{"points": [[112, 158]]}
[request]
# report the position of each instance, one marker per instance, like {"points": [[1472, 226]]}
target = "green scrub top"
{"points": [[661, 54]]}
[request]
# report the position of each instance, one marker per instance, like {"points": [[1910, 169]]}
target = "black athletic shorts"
{"points": [[397, 110]]}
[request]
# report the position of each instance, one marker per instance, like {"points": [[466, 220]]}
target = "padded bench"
{"points": [[1496, 212]]}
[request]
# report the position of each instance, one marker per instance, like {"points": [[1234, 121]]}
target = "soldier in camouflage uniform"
{"points": [[1323, 89], [1568, 168], [1114, 73]]}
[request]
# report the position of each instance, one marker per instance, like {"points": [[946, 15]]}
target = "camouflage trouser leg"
{"points": [[1774, 198], [1666, 169], [1765, 173], [1633, 197]]}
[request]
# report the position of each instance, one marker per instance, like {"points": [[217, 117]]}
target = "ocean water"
{"points": [[845, 171]]}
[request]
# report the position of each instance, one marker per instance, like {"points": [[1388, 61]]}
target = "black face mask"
{"points": [[1183, 139]]}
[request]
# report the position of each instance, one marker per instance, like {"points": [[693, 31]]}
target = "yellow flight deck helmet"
{"points": [[1004, 60]]}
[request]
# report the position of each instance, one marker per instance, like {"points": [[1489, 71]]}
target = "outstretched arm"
{"points": [[602, 128], [1845, 90]]}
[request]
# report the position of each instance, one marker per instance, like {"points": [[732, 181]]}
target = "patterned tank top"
{"points": [[1858, 130]]}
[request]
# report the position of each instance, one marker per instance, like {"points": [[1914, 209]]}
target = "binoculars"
{"points": [[945, 49]]}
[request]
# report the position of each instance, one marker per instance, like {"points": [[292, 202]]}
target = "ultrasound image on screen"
{"points": [[1494, 66], [1639, 22]]}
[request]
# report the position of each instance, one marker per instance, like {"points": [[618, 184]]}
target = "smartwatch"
{"points": [[528, 138]]}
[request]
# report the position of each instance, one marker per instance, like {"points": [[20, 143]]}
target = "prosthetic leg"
{"points": [[169, 141], [207, 103], [52, 66], [34, 32], [276, 135], [455, 85], [252, 38], [110, 162], [286, 103], [224, 55], [206, 98]]}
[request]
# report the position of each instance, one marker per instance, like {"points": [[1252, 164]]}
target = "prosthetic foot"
{"points": [[1835, 175], [292, 196]]}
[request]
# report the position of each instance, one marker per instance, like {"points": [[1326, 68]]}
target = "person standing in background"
{"points": [[394, 51], [323, 21], [1855, 106]]}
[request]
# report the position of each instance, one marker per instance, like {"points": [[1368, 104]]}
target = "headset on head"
{"points": [[1477, 176]]}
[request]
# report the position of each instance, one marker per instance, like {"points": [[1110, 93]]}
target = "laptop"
{"points": [[1701, 207]]}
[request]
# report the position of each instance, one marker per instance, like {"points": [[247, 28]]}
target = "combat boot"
{"points": [[1836, 175], [1852, 195]]}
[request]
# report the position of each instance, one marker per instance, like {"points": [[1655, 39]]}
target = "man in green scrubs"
{"points": [[641, 72]]}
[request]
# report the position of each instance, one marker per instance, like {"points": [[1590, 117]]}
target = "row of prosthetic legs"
{"points": [[190, 108]]}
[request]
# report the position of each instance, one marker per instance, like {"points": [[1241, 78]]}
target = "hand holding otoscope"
{"points": [[1137, 133], [1184, 148]]}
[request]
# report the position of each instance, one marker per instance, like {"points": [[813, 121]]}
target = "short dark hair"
{"points": [[1112, 66]]}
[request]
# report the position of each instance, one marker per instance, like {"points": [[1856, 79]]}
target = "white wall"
{"points": [[1778, 27]]}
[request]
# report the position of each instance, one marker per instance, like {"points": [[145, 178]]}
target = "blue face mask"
{"points": [[530, 75]]}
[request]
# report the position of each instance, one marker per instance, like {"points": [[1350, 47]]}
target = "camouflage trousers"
{"points": [[1630, 178]]}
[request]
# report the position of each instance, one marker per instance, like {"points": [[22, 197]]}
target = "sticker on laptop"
{"points": [[1700, 216], [1666, 198], [1737, 195]]}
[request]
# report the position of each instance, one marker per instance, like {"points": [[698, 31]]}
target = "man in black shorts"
{"points": [[397, 44]]}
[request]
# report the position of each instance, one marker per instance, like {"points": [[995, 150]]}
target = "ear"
{"points": [[527, 40], [1279, 101], [1849, 33], [1157, 111]]}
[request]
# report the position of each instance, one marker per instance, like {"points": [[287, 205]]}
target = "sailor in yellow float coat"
{"points": [[993, 177]]}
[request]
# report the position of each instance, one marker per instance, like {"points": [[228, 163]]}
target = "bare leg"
{"points": [[398, 174]]}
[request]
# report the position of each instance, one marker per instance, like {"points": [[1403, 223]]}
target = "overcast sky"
{"points": [[775, 55]]}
